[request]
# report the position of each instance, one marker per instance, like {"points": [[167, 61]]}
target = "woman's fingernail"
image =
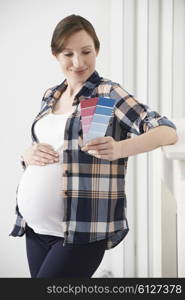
{"points": [[92, 152]]}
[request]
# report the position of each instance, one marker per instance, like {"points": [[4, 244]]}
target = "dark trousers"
{"points": [[48, 258]]}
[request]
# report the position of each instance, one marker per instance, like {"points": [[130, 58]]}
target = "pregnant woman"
{"points": [[71, 202]]}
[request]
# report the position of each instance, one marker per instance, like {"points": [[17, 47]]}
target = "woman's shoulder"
{"points": [[109, 82], [109, 86], [50, 91]]}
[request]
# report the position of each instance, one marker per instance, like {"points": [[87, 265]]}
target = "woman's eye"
{"points": [[87, 52], [68, 54]]}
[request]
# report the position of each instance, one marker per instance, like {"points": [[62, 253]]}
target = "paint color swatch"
{"points": [[88, 107], [95, 116]]}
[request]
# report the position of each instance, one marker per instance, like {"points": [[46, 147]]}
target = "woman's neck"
{"points": [[72, 90]]}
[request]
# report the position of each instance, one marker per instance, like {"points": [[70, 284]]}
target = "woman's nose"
{"points": [[77, 62]]}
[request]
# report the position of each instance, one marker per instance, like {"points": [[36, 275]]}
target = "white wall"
{"points": [[27, 70]]}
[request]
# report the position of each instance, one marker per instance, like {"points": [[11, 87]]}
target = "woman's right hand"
{"points": [[40, 154]]}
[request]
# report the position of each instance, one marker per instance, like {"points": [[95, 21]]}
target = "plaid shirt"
{"points": [[93, 189]]}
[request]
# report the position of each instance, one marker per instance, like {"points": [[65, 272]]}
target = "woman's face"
{"points": [[78, 59]]}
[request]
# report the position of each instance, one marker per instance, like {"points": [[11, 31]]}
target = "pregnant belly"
{"points": [[39, 193]]}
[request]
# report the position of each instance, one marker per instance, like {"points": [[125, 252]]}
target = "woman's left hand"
{"points": [[104, 148]]}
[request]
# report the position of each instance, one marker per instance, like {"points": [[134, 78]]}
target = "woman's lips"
{"points": [[80, 72]]}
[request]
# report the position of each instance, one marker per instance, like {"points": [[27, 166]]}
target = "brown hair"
{"points": [[66, 27]]}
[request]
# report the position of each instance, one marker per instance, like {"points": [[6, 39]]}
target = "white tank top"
{"points": [[38, 197]]}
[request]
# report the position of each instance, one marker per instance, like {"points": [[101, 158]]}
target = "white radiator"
{"points": [[174, 158]]}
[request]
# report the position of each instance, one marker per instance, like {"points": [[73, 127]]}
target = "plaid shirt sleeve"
{"points": [[133, 116]]}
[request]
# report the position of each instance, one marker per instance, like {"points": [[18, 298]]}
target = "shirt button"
{"points": [[66, 172]]}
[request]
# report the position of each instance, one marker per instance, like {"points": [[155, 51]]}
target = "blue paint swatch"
{"points": [[101, 118]]}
